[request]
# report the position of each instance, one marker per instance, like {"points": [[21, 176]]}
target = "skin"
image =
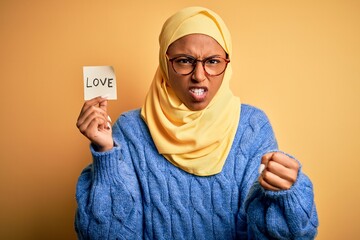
{"points": [[198, 46], [280, 171], [94, 123]]}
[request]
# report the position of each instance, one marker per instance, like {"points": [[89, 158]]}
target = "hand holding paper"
{"points": [[95, 124]]}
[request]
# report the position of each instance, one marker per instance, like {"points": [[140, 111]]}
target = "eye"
{"points": [[184, 61], [213, 61]]}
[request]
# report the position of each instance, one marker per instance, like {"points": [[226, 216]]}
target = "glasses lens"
{"points": [[183, 65], [213, 66]]}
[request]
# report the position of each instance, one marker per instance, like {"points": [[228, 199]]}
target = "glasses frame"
{"points": [[171, 60]]}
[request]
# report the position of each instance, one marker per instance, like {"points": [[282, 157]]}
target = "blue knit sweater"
{"points": [[133, 192]]}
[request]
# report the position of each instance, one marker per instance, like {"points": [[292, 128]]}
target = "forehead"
{"points": [[195, 44]]}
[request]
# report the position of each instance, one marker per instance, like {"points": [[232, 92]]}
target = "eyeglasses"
{"points": [[185, 65]]}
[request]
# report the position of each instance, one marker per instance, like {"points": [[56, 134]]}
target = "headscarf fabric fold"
{"points": [[196, 141]]}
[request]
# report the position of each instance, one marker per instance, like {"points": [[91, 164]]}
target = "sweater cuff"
{"points": [[301, 186], [105, 168]]}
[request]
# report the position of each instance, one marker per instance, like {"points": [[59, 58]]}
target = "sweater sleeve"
{"points": [[108, 196], [289, 214]]}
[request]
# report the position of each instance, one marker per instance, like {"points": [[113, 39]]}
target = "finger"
{"points": [[93, 102], [282, 171], [95, 135], [91, 110], [94, 116], [93, 130], [266, 185], [275, 181], [91, 125], [285, 160], [266, 158], [103, 104], [264, 161]]}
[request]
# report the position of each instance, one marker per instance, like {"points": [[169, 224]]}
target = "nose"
{"points": [[199, 74]]}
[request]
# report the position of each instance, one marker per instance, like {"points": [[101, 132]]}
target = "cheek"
{"points": [[217, 84], [176, 84], [172, 80]]}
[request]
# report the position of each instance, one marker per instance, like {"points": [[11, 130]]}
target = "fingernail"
{"points": [[109, 125], [261, 168], [109, 118], [106, 96]]}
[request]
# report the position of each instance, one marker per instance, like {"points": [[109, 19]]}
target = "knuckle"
{"points": [[293, 178], [287, 185], [293, 164], [277, 155], [92, 108], [261, 181], [266, 157], [296, 165], [270, 166], [94, 115], [265, 175], [86, 105], [82, 129]]}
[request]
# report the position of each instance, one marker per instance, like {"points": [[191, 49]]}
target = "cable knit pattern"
{"points": [[132, 192]]}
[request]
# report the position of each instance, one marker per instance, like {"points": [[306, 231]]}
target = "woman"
{"points": [[185, 166]]}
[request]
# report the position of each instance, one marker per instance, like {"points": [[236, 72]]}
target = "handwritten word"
{"points": [[98, 81]]}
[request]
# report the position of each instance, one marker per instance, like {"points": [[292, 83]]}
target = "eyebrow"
{"points": [[189, 56]]}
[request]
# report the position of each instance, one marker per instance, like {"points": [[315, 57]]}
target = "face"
{"points": [[197, 89]]}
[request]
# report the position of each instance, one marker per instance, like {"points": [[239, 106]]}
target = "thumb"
{"points": [[103, 104], [267, 157], [265, 160]]}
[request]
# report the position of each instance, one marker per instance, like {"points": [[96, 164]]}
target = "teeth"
{"points": [[198, 91]]}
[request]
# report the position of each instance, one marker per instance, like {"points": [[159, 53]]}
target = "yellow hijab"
{"points": [[195, 141]]}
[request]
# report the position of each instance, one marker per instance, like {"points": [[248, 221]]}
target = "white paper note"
{"points": [[99, 81]]}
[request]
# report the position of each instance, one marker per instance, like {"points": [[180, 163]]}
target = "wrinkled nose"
{"points": [[199, 73]]}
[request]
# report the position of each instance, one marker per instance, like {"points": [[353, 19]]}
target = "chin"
{"points": [[197, 106]]}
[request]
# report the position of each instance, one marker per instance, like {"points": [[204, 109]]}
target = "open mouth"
{"points": [[198, 94], [198, 91]]}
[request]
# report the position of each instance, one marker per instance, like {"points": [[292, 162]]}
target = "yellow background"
{"points": [[297, 60]]}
